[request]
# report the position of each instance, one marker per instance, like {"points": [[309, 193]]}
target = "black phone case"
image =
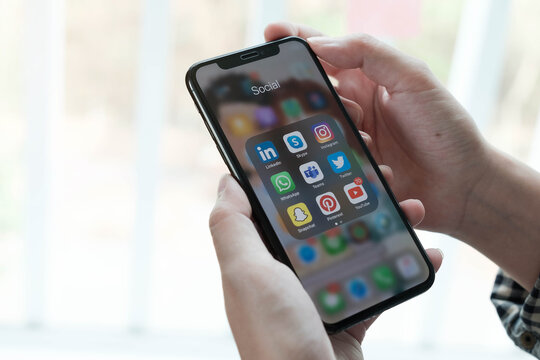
{"points": [[268, 235]]}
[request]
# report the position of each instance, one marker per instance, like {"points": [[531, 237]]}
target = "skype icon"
{"points": [[295, 141]]}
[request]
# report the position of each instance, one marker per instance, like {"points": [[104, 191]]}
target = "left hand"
{"points": [[270, 313]]}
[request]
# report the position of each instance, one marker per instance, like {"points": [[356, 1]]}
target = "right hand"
{"points": [[418, 128]]}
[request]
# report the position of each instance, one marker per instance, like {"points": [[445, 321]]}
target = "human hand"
{"points": [[270, 314], [418, 128]]}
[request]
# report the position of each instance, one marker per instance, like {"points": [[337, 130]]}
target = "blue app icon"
{"points": [[307, 254], [266, 151], [295, 141], [339, 162], [357, 288], [246, 86], [311, 172], [316, 100]]}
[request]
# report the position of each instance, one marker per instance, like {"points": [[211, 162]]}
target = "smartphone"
{"points": [[318, 197]]}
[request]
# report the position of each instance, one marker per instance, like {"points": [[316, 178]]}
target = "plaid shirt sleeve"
{"points": [[519, 312]]}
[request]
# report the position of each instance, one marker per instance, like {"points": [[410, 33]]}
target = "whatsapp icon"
{"points": [[282, 182]]}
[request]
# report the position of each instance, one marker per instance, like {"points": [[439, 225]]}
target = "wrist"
{"points": [[477, 193], [465, 186], [501, 217]]}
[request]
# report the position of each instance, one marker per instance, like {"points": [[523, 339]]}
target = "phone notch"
{"points": [[249, 55]]}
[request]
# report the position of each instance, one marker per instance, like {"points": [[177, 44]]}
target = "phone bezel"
{"points": [[269, 237]]}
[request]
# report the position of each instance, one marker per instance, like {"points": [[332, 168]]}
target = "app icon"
{"points": [[253, 75], [221, 91], [291, 107], [246, 85], [333, 242], [381, 226], [339, 162], [408, 266], [356, 193], [357, 288], [295, 141], [266, 117], [328, 203], [311, 172], [358, 231], [301, 70], [266, 151], [307, 253], [316, 100], [331, 299], [322, 132], [240, 124], [282, 182], [299, 214], [383, 277]]}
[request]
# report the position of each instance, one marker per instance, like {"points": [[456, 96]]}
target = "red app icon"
{"points": [[355, 193], [328, 203]]}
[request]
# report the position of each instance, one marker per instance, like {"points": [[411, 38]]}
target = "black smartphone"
{"points": [[321, 203]]}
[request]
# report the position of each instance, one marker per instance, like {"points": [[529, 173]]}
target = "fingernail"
{"points": [[365, 136], [222, 185], [442, 254]]}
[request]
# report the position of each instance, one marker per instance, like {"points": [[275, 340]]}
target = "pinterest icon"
{"points": [[328, 203]]}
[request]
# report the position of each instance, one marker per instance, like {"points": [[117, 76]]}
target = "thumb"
{"points": [[234, 234], [380, 62]]}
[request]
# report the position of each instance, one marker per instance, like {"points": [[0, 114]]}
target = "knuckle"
{"points": [[422, 66], [421, 73], [218, 214], [223, 217], [363, 41]]}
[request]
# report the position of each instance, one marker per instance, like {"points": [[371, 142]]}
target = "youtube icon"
{"points": [[355, 193]]}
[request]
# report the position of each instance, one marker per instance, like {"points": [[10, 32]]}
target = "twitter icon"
{"points": [[339, 162]]}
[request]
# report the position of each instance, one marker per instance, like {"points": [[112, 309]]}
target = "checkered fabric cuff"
{"points": [[519, 311]]}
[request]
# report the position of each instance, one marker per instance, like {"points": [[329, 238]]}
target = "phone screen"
{"points": [[331, 213]]}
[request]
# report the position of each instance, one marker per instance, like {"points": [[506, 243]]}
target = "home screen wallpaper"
{"points": [[332, 215]]}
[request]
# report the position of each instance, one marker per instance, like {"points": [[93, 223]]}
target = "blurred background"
{"points": [[107, 174]]}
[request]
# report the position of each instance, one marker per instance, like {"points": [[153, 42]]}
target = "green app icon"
{"points": [[383, 277], [334, 243], [291, 107], [282, 182], [331, 299]]}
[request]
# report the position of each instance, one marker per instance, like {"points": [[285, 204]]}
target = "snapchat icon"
{"points": [[299, 214]]}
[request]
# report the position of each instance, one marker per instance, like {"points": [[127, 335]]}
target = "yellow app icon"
{"points": [[299, 214], [240, 124]]}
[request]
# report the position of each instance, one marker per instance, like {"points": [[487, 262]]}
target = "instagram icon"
{"points": [[322, 132]]}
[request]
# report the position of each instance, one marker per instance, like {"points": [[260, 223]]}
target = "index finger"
{"points": [[283, 29], [380, 62]]}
